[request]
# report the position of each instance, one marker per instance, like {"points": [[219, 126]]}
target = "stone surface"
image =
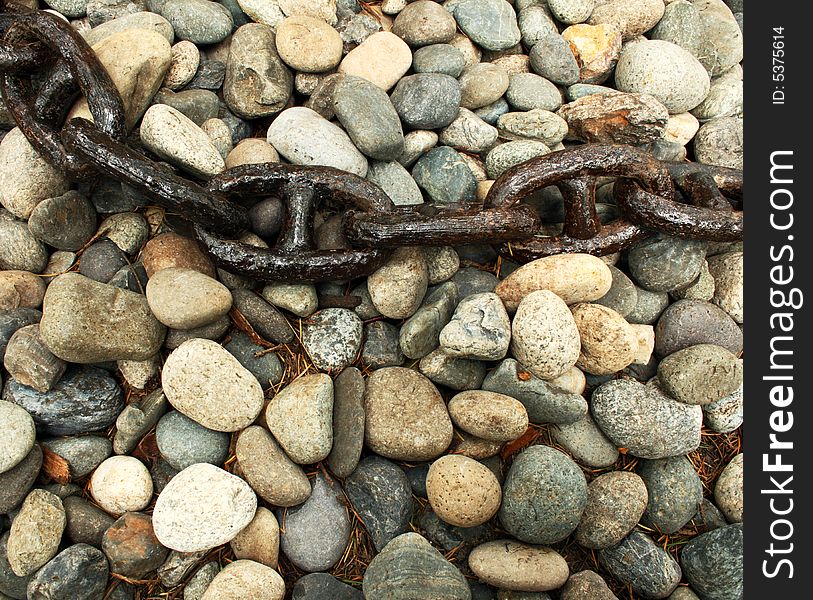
{"points": [[615, 117], [542, 519], [596, 48], [481, 85], [398, 287], [300, 417], [419, 334], [468, 132], [185, 298], [382, 58], [713, 563], [608, 342], [16, 482], [308, 44], [664, 263], [645, 421], [208, 385], [131, 546], [452, 372], [172, 250], [631, 17], [322, 585], [511, 566], [65, 222], [427, 100], [445, 176], [675, 492], [259, 541], [700, 374], [121, 484], [491, 24], [35, 533], [396, 182], [348, 422], [245, 579], [86, 523], [727, 271], [183, 442], [462, 491], [424, 22], [380, 493], [79, 571], [19, 435], [728, 491], [536, 124], [690, 322], [439, 58], [203, 506], [488, 415], [587, 585], [19, 249], [332, 338], [639, 562], [479, 329], [82, 454], [275, 477], [265, 366]]}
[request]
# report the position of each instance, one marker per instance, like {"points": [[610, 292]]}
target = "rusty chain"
{"points": [[686, 200]]}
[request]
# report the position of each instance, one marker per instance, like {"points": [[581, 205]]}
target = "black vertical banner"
{"points": [[778, 265]]}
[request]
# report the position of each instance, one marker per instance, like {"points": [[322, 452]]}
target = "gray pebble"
{"points": [[199, 21], [527, 91], [29, 361], [640, 562], [348, 422], [183, 442], [700, 374], [690, 322], [16, 482], [623, 296], [451, 371], [615, 502], [65, 222], [726, 414], [424, 22], [264, 365], [86, 523], [83, 454], [491, 24], [213, 331], [78, 571], [492, 112], [445, 176], [419, 334], [482, 84], [438, 58], [510, 154], [396, 182], [720, 142], [264, 318], [474, 281], [197, 584], [675, 492], [586, 443], [552, 58], [319, 586], [468, 133], [332, 338], [101, 260], [381, 348], [713, 563], [664, 263], [426, 100]]}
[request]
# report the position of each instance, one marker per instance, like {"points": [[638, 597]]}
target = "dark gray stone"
{"points": [[492, 112], [452, 371], [450, 537], [640, 562], [79, 572], [85, 399], [314, 535], [527, 91], [417, 478], [199, 21], [419, 334], [445, 176], [552, 58], [675, 492], [86, 523], [212, 331], [708, 517], [132, 277], [264, 365], [161, 472], [102, 260], [491, 24], [264, 318], [381, 495], [18, 481], [544, 402], [11, 584], [266, 217], [537, 518], [474, 281], [348, 422], [713, 563], [323, 586], [580, 90], [648, 307], [82, 453], [663, 263], [65, 222], [427, 100], [690, 322], [198, 105], [439, 58], [12, 320], [183, 442], [381, 347], [101, 11], [209, 76], [622, 296]]}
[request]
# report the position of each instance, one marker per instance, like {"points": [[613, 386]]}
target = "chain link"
{"points": [[681, 199]]}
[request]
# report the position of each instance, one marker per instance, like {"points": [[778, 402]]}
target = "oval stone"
{"points": [[462, 491], [507, 565], [608, 343], [489, 415], [615, 503]]}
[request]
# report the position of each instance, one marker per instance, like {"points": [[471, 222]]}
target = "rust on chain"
{"points": [[295, 257]]}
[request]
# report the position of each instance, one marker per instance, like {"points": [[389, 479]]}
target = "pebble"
{"points": [[727, 271], [542, 519], [18, 432], [491, 24], [197, 584], [300, 416], [86, 523], [245, 579], [313, 536], [178, 566], [183, 442], [83, 400], [324, 9], [664, 70], [419, 334], [721, 42], [316, 586], [293, 133], [383, 58], [219, 135], [424, 22], [469, 133], [137, 61], [479, 329], [199, 21], [728, 491], [491, 113], [511, 566], [545, 337], [184, 65], [185, 298], [683, 593], [102, 260], [252, 151], [308, 44], [482, 84], [128, 230], [608, 342], [445, 176], [416, 143], [380, 493], [586, 443], [616, 501], [622, 297], [85, 321], [348, 422], [664, 263], [720, 142], [510, 154], [701, 288], [65, 222], [452, 372], [535, 22], [409, 566], [596, 48], [396, 182], [203, 506], [571, 11], [439, 58], [725, 98], [198, 105], [35, 533], [265, 366], [369, 117], [639, 562], [10, 583], [21, 289], [645, 421], [528, 91], [587, 585], [615, 117], [139, 20], [675, 492], [79, 571], [488, 415], [16, 482], [19, 249], [213, 331], [381, 347], [632, 18], [725, 415], [208, 385], [462, 491], [259, 541], [131, 546], [26, 179], [121, 484], [275, 477], [681, 128], [264, 318], [332, 338], [83, 454], [406, 418], [713, 563], [398, 287], [170, 249], [427, 100], [687, 323], [552, 58], [700, 374]]}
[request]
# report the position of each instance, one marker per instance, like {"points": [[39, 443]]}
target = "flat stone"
{"points": [[199, 582], [675, 492], [251, 151], [198, 105], [444, 175], [381, 348], [664, 263], [78, 571], [491, 24], [35, 532], [488, 415], [713, 563], [86, 523], [332, 338], [383, 58], [469, 133], [417, 143], [587, 585], [314, 535], [527, 91], [419, 334], [348, 422], [542, 519], [83, 454], [245, 579], [131, 546], [640, 562], [462, 491], [481, 85], [203, 506], [427, 100], [721, 41], [264, 365], [536, 124], [512, 566], [369, 118], [21, 289], [632, 18], [177, 566], [725, 415], [212, 331]]}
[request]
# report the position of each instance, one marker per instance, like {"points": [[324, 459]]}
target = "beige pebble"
{"points": [[251, 151], [727, 270], [483, 187], [398, 287], [462, 491], [244, 579], [382, 58], [184, 298], [572, 380], [596, 48], [645, 334], [489, 415], [681, 128], [518, 567], [20, 289], [121, 484], [172, 250], [308, 44], [477, 448], [572, 277], [608, 342], [184, 65], [728, 491], [259, 541]]}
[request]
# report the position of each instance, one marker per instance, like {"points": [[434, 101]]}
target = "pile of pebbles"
{"points": [[165, 421]]}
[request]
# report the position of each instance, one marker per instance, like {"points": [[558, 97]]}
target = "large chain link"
{"points": [[681, 199]]}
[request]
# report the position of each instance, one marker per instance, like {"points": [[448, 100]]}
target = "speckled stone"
{"points": [[348, 422], [690, 322], [451, 371], [664, 263], [462, 491], [508, 565], [488, 415], [700, 374], [640, 562], [444, 175], [332, 338], [300, 417], [35, 532], [586, 443], [419, 334], [713, 563], [675, 492], [398, 287]]}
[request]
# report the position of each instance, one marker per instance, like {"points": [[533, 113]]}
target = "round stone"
{"points": [[552, 58], [700, 374], [469, 133], [183, 442], [308, 44], [445, 176], [185, 298], [631, 17], [65, 222], [18, 435], [586, 443], [728, 491], [203, 506], [720, 142], [479, 329], [185, 63], [537, 518], [199, 21], [245, 579], [424, 22], [121, 484], [489, 415], [397, 288], [713, 563], [172, 250], [481, 85], [675, 492], [727, 271], [427, 100], [652, 574], [615, 503], [259, 541], [396, 182], [406, 418], [207, 384], [571, 11], [248, 152], [491, 24], [19, 249], [462, 491], [545, 338], [510, 154], [382, 58], [608, 342], [300, 417], [663, 263], [527, 91], [690, 322], [511, 566], [439, 58], [35, 532], [332, 338]]}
